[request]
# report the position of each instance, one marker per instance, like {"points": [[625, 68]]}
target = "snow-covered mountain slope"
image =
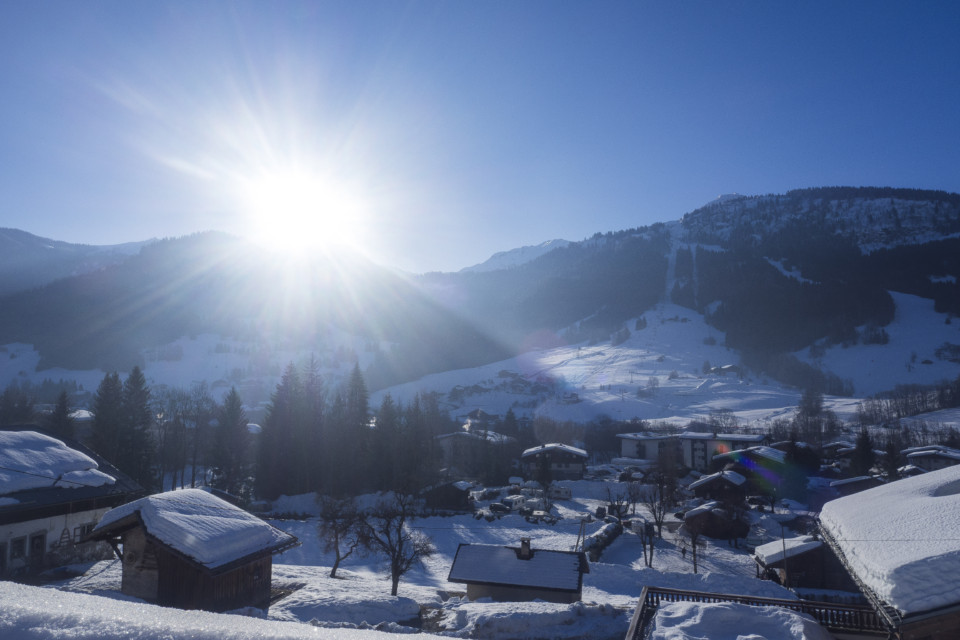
{"points": [[515, 257], [916, 335]]}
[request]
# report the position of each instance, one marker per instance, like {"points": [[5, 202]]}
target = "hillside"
{"points": [[850, 291]]}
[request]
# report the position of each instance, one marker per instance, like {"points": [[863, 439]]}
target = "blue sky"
{"points": [[447, 131]]}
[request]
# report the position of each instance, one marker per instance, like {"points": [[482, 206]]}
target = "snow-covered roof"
{"points": [[731, 621], [773, 552], [31, 460], [644, 436], [493, 564], [732, 437], [901, 539], [704, 508], [479, 434], [555, 446], [854, 480], [764, 452], [729, 476], [943, 452], [201, 526]]}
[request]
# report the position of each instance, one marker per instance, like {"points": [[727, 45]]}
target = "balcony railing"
{"points": [[834, 617]]}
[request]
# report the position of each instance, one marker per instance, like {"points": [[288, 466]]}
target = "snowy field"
{"points": [[359, 598]]}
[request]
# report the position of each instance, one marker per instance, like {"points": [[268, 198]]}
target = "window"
{"points": [[82, 530], [18, 548], [38, 545]]}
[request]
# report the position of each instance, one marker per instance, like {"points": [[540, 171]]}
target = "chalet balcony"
{"points": [[843, 621]]}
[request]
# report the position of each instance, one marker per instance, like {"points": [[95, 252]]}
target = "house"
{"points": [[467, 453], [192, 550], [899, 543], [850, 486], [933, 457], [698, 449], [563, 461], [724, 486], [519, 574], [52, 492], [448, 496], [763, 467], [802, 562], [647, 446], [714, 521]]}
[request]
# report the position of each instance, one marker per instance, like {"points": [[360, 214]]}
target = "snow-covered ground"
{"points": [[359, 597]]}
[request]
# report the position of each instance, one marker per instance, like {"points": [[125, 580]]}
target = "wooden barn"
{"points": [[519, 574], [192, 550]]}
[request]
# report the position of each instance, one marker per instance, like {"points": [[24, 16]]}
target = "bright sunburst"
{"points": [[299, 210]]}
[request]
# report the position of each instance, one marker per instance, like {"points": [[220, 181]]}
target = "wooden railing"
{"points": [[834, 617]]}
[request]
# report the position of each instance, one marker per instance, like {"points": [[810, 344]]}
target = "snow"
{"points": [[554, 446], [492, 564], [773, 552], [48, 614], [30, 460], [730, 621], [901, 540], [200, 525], [731, 476]]}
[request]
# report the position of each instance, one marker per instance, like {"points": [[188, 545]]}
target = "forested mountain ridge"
{"points": [[776, 274], [28, 261]]}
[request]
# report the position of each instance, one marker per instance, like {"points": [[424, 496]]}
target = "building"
{"points": [[725, 486], [802, 562], [563, 461], [699, 449], [763, 467], [850, 486], [933, 457], [192, 550], [899, 543], [517, 574], [53, 491], [467, 453], [647, 446]]}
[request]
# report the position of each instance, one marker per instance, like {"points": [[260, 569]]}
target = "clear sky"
{"points": [[434, 134]]}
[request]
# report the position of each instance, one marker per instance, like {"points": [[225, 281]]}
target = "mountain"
{"points": [[28, 261], [515, 257], [783, 283]]}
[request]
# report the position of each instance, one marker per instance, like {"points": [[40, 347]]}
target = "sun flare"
{"points": [[295, 210]]}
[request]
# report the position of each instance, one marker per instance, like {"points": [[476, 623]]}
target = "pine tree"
{"points": [[232, 445], [59, 421], [862, 459], [136, 449], [276, 439], [108, 417]]}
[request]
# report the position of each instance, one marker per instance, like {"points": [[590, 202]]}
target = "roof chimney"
{"points": [[525, 551]]}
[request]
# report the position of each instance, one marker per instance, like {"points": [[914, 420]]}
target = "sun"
{"points": [[296, 210]]}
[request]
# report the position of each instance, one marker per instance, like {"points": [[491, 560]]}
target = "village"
{"points": [[671, 530]]}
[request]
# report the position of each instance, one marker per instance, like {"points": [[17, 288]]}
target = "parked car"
{"points": [[498, 507]]}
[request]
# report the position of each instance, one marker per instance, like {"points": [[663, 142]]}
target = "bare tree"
{"points": [[617, 506], [658, 500], [340, 528], [694, 529], [636, 492], [384, 531]]}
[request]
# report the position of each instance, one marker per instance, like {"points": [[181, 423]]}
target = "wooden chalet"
{"points": [[802, 562], [519, 574], [898, 542], [53, 491], [725, 486], [565, 462], [192, 550]]}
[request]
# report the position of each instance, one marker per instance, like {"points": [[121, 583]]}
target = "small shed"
{"points": [[192, 550], [519, 574], [803, 562]]}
